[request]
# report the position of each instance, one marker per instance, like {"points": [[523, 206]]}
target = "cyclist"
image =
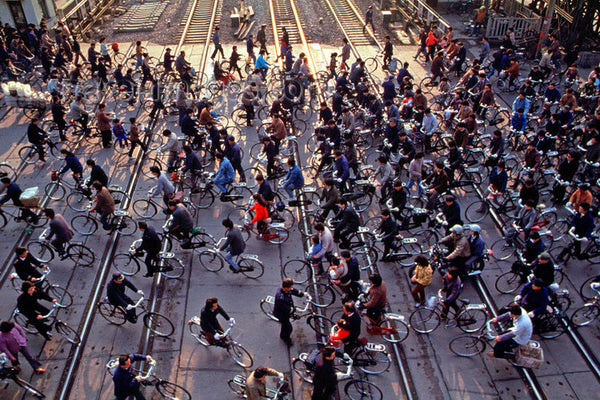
{"points": [[451, 211], [37, 137], [182, 222], [346, 223], [264, 188], [543, 269], [284, 308], [105, 205], [26, 265], [293, 180], [73, 164], [97, 174], [351, 315], [192, 164], [477, 246], [518, 335], [261, 217], [115, 291], [458, 245], [224, 175], [127, 384], [163, 185], [59, 228], [255, 383], [27, 304], [172, 147], [13, 192], [329, 199], [234, 153], [388, 230], [234, 245], [326, 239], [210, 325], [377, 298], [78, 112], [533, 297], [437, 184], [151, 244], [452, 288]]}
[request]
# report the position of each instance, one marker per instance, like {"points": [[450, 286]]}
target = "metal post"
{"points": [[546, 23]]}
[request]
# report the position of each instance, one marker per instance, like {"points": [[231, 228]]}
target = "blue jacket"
{"points": [[225, 172], [73, 164], [519, 123], [583, 224], [124, 379], [341, 167], [261, 62], [234, 154], [188, 126], [532, 300], [294, 177], [499, 179], [477, 246], [521, 103], [13, 192], [191, 162], [389, 90], [552, 95]]}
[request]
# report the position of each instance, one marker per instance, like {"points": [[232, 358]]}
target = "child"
{"points": [[315, 248], [339, 332], [120, 133]]}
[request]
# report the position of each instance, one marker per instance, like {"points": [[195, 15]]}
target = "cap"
{"points": [[117, 276], [544, 256], [475, 228], [450, 198], [457, 229]]}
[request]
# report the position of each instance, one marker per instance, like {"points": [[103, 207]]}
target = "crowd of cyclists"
{"points": [[417, 149]]}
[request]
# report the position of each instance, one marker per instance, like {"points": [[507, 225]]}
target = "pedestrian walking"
{"points": [[283, 308], [217, 42], [369, 19], [14, 341]]}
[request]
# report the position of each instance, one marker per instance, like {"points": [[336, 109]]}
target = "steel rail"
{"points": [[186, 27]]}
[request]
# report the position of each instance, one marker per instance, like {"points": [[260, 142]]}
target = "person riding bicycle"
{"points": [[582, 226], [451, 211], [346, 275], [524, 220], [126, 383], [255, 383], [163, 185], [339, 332], [459, 247], [293, 180], [115, 291], [518, 335], [477, 246], [452, 288], [27, 304], [37, 137], [533, 297], [351, 315], [233, 246], [73, 164], [151, 244], [225, 174], [105, 206], [192, 163], [210, 325], [261, 217], [283, 309], [437, 184], [78, 112], [376, 296], [26, 266], [96, 174], [13, 192], [543, 269], [60, 230], [346, 223], [182, 222]]}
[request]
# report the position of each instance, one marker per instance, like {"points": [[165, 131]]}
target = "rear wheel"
{"points": [[197, 333], [81, 255], [424, 320], [586, 291], [67, 332], [585, 315], [112, 314], [126, 264], [240, 355], [158, 324], [371, 362], [172, 268], [470, 321], [299, 270], [476, 211], [396, 330], [84, 225], [28, 387], [267, 308], [29, 155], [277, 235], [357, 389], [508, 282], [170, 390], [322, 295], [63, 298], [299, 367], [251, 268], [320, 324], [549, 326], [467, 346]]}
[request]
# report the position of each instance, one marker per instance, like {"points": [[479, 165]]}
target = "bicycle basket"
{"points": [[530, 355]]}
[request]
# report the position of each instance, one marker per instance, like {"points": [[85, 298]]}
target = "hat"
{"points": [[117, 276], [544, 256], [457, 229], [475, 228], [450, 198]]}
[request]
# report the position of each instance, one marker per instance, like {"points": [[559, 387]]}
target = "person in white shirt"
{"points": [[518, 335]]}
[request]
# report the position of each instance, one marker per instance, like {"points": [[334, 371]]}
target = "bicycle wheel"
{"points": [[124, 224], [424, 320], [508, 282], [277, 235], [173, 268], [119, 196], [298, 270], [476, 211], [28, 387], [172, 391], [357, 389], [586, 291], [500, 250], [24, 323], [239, 389], [204, 199], [371, 362], [285, 217], [67, 332], [81, 255], [126, 264], [114, 315], [197, 333], [406, 253], [211, 260], [396, 330], [29, 155], [55, 191], [158, 324], [427, 238], [549, 326], [467, 345], [371, 64], [84, 224], [41, 251], [267, 308], [322, 294], [240, 355], [6, 171], [471, 320], [241, 193], [251, 268], [585, 315], [77, 201], [63, 298], [144, 208], [320, 324]]}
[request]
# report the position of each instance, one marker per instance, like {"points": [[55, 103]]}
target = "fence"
{"points": [[497, 26], [428, 15]]}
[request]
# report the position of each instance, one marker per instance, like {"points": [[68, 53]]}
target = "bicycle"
{"points": [[355, 389], [57, 188], [153, 321], [8, 372], [205, 197], [372, 63], [510, 281], [588, 313], [79, 197], [238, 386], [471, 345], [44, 251], [120, 221], [469, 317], [510, 244], [590, 253], [213, 260], [18, 217], [64, 330], [318, 323], [167, 264], [63, 297], [166, 389], [236, 351], [30, 154]]}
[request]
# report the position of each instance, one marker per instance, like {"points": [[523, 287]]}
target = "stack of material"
{"points": [[142, 17]]}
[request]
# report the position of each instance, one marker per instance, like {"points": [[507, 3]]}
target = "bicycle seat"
{"points": [[165, 254], [120, 213], [465, 301]]}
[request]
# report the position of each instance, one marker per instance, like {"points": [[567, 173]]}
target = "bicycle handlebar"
{"points": [[136, 305]]}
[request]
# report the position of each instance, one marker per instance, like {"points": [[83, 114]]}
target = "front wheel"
{"points": [[470, 321], [585, 315], [320, 324], [476, 211], [240, 355], [124, 224], [197, 333], [395, 330], [158, 324], [502, 250], [358, 389], [28, 387], [77, 201], [170, 390], [251, 268], [267, 308], [81, 255], [508, 282], [172, 268], [55, 191], [84, 225], [322, 295], [424, 320], [299, 270], [467, 346], [144, 208], [67, 332], [112, 314], [211, 261], [63, 298], [371, 362], [126, 264]]}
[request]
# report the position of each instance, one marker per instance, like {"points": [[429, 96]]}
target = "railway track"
{"points": [[345, 11], [283, 12], [199, 23]]}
